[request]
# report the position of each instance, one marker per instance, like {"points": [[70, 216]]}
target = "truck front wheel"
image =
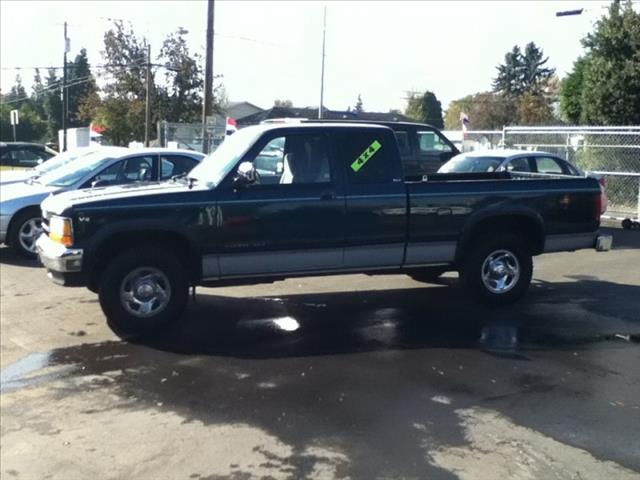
{"points": [[143, 291], [497, 271]]}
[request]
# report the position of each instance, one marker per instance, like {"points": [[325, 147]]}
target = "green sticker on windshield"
{"points": [[366, 155]]}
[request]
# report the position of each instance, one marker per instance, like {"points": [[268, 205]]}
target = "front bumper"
{"points": [[61, 263]]}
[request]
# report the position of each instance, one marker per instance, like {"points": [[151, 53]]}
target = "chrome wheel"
{"points": [[145, 292], [28, 234], [500, 271]]}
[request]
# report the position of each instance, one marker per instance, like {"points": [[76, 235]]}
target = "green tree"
{"points": [[17, 95], [122, 110], [82, 85], [534, 73], [30, 128], [426, 109], [510, 74], [534, 109], [522, 72], [571, 92], [486, 111], [183, 77], [52, 106], [610, 93], [414, 107], [358, 107], [38, 94], [282, 103]]}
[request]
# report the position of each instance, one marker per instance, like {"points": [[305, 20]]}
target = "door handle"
{"points": [[327, 196]]}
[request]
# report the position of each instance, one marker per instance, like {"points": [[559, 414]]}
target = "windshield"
{"points": [[75, 170], [465, 163], [218, 164], [61, 159]]}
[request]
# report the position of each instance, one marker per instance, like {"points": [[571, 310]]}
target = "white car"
{"points": [[20, 220], [17, 176]]}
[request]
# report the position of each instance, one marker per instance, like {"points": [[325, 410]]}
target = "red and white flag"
{"points": [[232, 125]]}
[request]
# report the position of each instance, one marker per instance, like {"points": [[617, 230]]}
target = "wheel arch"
{"points": [[119, 241], [527, 226], [13, 224]]}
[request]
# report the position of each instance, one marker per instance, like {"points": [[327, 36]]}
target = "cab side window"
{"points": [[366, 156], [294, 159]]}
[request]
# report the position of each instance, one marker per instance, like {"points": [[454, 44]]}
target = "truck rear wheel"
{"points": [[497, 271], [143, 291]]}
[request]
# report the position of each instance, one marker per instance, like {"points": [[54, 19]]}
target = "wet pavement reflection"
{"points": [[374, 370]]}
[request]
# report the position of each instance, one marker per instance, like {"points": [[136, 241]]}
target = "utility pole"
{"points": [[207, 100], [65, 94], [324, 33], [147, 108]]}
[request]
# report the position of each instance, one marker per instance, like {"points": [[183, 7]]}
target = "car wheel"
{"points": [[25, 230], [497, 271], [143, 291]]}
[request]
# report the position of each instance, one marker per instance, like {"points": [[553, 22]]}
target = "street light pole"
{"points": [[324, 34], [207, 99], [147, 108], [65, 94]]}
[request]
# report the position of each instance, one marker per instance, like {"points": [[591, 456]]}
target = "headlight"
{"points": [[61, 230]]}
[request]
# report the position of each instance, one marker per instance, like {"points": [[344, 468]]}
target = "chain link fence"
{"points": [[481, 139], [612, 152], [189, 135]]}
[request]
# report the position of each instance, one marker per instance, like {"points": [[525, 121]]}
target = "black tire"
{"points": [[427, 275], [503, 249], [165, 272], [22, 224]]}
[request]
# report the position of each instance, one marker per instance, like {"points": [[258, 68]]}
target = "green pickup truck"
{"points": [[338, 201]]}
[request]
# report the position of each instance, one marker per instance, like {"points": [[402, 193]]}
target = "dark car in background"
{"points": [[23, 154], [423, 148]]}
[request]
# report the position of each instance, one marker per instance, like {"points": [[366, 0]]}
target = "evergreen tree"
{"points": [[52, 106], [183, 77], [611, 78], [510, 74], [82, 85], [38, 94], [534, 72], [358, 107], [432, 110]]}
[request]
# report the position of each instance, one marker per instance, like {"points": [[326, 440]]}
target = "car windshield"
{"points": [[61, 159], [218, 164], [465, 163], [75, 170]]}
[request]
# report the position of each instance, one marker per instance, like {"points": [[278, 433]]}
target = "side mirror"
{"points": [[279, 168], [246, 175]]}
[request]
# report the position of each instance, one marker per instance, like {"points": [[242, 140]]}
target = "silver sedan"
{"points": [[20, 221]]}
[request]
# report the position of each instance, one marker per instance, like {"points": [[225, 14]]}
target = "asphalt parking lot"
{"points": [[337, 377]]}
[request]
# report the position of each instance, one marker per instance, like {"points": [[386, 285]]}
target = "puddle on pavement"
{"points": [[31, 370], [324, 325]]}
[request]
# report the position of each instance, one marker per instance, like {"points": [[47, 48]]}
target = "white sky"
{"points": [[268, 50]]}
